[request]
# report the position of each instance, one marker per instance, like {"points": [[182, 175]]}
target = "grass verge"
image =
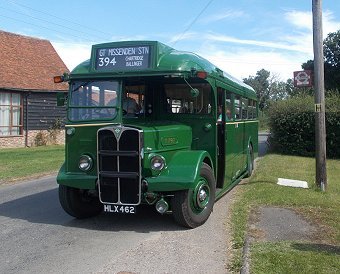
{"points": [[18, 163], [322, 209]]}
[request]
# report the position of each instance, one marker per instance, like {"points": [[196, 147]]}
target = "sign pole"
{"points": [[319, 87]]}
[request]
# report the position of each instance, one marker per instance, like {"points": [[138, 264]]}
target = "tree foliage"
{"points": [[331, 49], [260, 84], [268, 87]]}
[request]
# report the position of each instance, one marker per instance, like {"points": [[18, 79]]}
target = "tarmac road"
{"points": [[38, 237], [263, 146]]}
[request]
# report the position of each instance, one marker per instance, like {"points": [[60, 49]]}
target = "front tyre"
{"points": [[79, 203], [191, 208]]}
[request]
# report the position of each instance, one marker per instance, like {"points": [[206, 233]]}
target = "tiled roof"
{"points": [[29, 63]]}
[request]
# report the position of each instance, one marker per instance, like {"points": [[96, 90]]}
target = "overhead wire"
{"points": [[192, 23], [64, 20], [96, 30], [46, 21], [40, 26]]}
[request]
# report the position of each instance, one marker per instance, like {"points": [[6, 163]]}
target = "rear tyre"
{"points": [[79, 203], [191, 208]]}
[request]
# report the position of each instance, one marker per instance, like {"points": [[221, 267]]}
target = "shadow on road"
{"points": [[44, 208]]}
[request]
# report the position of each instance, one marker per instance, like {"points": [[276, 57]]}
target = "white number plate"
{"points": [[120, 209]]}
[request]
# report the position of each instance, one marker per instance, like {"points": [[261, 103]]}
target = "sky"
{"points": [[240, 37]]}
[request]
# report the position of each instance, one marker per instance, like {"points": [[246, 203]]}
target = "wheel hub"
{"points": [[202, 195]]}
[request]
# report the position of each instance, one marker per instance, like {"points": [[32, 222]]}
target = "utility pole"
{"points": [[319, 87]]}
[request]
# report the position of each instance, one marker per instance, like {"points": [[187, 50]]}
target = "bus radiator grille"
{"points": [[119, 165]]}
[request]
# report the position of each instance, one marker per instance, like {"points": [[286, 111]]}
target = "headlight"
{"points": [[157, 162], [85, 163]]}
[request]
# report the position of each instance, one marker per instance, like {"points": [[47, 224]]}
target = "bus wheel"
{"points": [[191, 208], [79, 203], [250, 165]]}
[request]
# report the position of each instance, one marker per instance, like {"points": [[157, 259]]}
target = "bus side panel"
{"points": [[230, 154], [250, 138], [234, 151], [239, 136]]}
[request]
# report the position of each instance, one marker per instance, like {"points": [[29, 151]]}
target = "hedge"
{"points": [[292, 126]]}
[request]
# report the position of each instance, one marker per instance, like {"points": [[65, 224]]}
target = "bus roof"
{"points": [[143, 58]]}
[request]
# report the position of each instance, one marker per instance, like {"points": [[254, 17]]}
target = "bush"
{"points": [[41, 139], [292, 126], [54, 130]]}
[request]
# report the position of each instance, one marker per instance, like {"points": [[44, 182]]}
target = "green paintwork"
{"points": [[75, 179], [165, 60], [82, 141], [182, 172], [184, 141]]}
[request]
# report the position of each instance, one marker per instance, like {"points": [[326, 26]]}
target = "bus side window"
{"points": [[244, 109], [228, 107], [255, 109], [250, 109], [237, 107], [180, 100]]}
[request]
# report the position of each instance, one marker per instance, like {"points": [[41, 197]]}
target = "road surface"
{"points": [[263, 146], [38, 237]]}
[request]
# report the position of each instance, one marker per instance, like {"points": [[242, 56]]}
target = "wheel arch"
{"points": [[182, 172]]}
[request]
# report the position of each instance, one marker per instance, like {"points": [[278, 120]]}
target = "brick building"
{"points": [[28, 108]]}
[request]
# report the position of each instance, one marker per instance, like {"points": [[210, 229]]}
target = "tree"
{"points": [[278, 90], [260, 83], [295, 91], [331, 48], [267, 87]]}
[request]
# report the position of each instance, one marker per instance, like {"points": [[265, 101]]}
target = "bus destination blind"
{"points": [[122, 58]]}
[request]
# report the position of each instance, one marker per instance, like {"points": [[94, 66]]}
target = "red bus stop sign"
{"points": [[303, 78]]}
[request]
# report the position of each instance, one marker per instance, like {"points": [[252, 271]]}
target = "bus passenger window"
{"points": [[244, 108], [237, 104], [228, 107], [179, 99], [251, 109], [255, 109]]}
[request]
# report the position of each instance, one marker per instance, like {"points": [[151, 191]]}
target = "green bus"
{"points": [[147, 124]]}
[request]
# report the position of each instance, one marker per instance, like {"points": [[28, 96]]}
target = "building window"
{"points": [[10, 114]]}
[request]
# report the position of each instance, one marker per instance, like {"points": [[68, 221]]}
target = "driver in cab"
{"points": [[130, 106]]}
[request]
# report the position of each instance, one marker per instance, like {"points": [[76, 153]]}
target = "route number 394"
{"points": [[104, 62]]}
